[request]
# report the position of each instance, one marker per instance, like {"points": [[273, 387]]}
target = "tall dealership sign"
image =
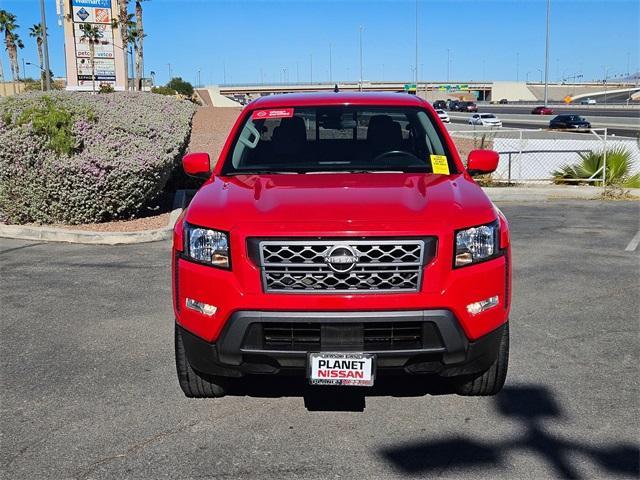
{"points": [[108, 58]]}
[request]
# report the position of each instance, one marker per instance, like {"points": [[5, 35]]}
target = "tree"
{"points": [[12, 42], [135, 39], [36, 32], [123, 22], [92, 34], [180, 86], [139, 49]]}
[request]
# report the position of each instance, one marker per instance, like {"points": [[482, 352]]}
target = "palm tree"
{"points": [[135, 38], [92, 34], [36, 32], [140, 49], [11, 42], [122, 23]]}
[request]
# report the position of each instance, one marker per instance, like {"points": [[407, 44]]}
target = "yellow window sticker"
{"points": [[439, 164]]}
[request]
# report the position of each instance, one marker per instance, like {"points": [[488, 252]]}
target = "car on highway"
{"points": [[444, 116], [542, 111], [440, 104], [503, 101], [467, 107], [340, 238], [453, 105], [485, 120], [588, 101], [569, 122]]}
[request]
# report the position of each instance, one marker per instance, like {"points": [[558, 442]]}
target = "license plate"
{"points": [[352, 369]]}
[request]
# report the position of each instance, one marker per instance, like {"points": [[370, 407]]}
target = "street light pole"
{"points": [[628, 63], [24, 70], [330, 66], [169, 65], [606, 74], [416, 46], [546, 57], [448, 63], [361, 28], [45, 47]]}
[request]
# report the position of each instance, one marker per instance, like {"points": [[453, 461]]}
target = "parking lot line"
{"points": [[633, 244]]}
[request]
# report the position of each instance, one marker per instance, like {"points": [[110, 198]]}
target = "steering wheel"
{"points": [[392, 153]]}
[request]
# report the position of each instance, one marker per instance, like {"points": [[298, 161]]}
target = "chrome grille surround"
{"points": [[300, 266]]}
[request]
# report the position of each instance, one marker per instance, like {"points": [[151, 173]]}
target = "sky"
{"points": [[267, 41]]}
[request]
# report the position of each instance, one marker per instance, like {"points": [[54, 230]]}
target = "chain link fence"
{"points": [[537, 156]]}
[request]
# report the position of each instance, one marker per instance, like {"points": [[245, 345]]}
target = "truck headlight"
{"points": [[206, 246], [476, 244]]}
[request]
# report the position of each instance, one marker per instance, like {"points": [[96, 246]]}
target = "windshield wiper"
{"points": [[262, 172]]}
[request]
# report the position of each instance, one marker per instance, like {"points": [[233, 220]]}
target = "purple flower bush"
{"points": [[125, 147]]}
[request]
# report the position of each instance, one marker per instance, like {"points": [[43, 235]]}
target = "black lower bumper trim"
{"points": [[231, 355]]}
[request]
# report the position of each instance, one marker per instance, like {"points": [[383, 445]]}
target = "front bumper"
{"points": [[241, 348]]}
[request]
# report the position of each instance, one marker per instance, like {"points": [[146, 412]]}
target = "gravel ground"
{"points": [[210, 128], [135, 225]]}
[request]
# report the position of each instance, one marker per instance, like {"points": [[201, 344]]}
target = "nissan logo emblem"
{"points": [[341, 258]]}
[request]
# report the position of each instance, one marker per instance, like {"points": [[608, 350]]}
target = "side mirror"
{"points": [[197, 165], [480, 162]]}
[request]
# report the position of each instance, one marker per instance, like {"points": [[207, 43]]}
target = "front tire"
{"points": [[491, 381], [195, 384]]}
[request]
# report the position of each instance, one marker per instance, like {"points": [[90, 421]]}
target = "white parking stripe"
{"points": [[633, 244]]}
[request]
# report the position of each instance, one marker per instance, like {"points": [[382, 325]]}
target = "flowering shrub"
{"points": [[123, 148]]}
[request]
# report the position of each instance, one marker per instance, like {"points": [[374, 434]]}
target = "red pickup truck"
{"points": [[340, 237]]}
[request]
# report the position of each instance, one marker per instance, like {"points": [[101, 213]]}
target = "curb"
{"points": [[49, 234], [544, 194], [80, 236]]}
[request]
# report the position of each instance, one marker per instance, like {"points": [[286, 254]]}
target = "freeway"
{"points": [[620, 126], [590, 110]]}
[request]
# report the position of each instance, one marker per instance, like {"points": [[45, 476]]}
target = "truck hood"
{"points": [[339, 199]]}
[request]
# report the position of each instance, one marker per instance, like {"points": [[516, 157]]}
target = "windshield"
{"points": [[488, 115], [337, 139]]}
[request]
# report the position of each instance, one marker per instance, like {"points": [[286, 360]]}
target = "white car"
{"points": [[444, 116], [588, 101], [485, 119]]}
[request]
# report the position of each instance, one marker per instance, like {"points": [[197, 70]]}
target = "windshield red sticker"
{"points": [[277, 113]]}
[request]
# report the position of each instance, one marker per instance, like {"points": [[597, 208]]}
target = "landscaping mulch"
{"points": [[210, 127], [135, 225]]}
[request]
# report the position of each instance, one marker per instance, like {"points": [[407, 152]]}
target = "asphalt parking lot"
{"points": [[89, 387]]}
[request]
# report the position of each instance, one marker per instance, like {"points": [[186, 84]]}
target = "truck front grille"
{"points": [[335, 266]]}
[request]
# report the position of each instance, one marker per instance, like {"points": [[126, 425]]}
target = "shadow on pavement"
{"points": [[528, 405], [331, 399]]}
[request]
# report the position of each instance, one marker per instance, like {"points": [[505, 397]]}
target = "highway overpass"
{"points": [[474, 90]]}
